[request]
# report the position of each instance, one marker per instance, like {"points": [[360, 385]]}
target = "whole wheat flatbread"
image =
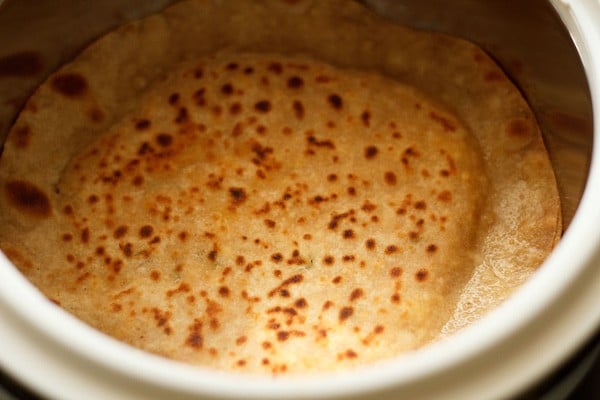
{"points": [[277, 186]]}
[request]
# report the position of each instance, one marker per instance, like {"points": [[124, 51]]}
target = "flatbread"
{"points": [[331, 195]]}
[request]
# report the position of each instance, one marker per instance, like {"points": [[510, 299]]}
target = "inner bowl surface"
{"points": [[552, 78]]}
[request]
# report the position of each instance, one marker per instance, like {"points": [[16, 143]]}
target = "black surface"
{"points": [[590, 386]]}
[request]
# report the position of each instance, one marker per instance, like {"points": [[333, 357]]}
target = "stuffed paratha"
{"points": [[334, 194]]}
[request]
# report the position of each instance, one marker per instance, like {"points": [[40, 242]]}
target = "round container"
{"points": [[508, 353]]}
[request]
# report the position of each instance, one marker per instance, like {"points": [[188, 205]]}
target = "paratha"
{"points": [[277, 186]]}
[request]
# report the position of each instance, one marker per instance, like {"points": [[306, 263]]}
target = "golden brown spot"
{"points": [[368, 206], [155, 275], [198, 73], [92, 199], [432, 248], [411, 152], [277, 257], [356, 294], [337, 279], [446, 124], [348, 258], [161, 317], [269, 223], [283, 336], [395, 272], [195, 339], [351, 354], [238, 195], [146, 231], [335, 101], [312, 140], [241, 340], [83, 277], [199, 98], [263, 106], [332, 177], [298, 109], [127, 248], [395, 298], [328, 260], [390, 178], [366, 118], [445, 196], [371, 152], [348, 234], [173, 98], [117, 265], [21, 136], [142, 124], [295, 82], [182, 288], [28, 199], [421, 275], [182, 115], [224, 291], [261, 129], [116, 307], [164, 139], [370, 243], [420, 205], [327, 305], [237, 130], [519, 128], [391, 249], [345, 313], [227, 89], [138, 180], [71, 85], [266, 345], [235, 108], [145, 148], [301, 303], [295, 279], [85, 235], [275, 67]]}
